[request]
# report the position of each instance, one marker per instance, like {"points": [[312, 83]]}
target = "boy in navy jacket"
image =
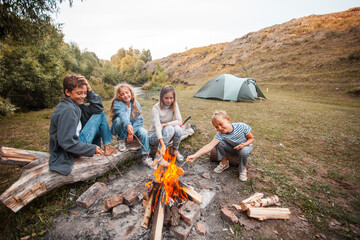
{"points": [[76, 129]]}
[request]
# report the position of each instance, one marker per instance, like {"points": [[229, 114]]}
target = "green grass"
{"points": [[304, 141]]}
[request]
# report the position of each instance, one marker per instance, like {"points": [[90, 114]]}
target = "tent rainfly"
{"points": [[231, 88]]}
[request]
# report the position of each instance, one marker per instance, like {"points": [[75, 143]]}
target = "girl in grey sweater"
{"points": [[166, 122]]}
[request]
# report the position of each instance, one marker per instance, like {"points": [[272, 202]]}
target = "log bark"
{"points": [[268, 213], [36, 179]]}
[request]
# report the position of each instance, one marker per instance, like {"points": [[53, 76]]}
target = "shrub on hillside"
{"points": [[6, 108]]}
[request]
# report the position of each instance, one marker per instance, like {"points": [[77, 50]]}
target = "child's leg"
{"points": [[177, 137], [91, 129], [222, 148], [144, 138], [96, 125], [117, 129], [104, 130], [244, 154]]}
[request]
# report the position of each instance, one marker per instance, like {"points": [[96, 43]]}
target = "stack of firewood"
{"points": [[16, 156], [255, 207]]}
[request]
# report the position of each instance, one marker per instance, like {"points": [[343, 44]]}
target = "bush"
{"points": [[6, 108]]}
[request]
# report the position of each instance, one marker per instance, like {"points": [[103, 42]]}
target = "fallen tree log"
{"points": [[36, 178]]}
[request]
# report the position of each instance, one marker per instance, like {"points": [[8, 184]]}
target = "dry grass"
{"points": [[306, 151]]}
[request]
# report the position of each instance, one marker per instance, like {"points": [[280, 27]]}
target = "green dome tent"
{"points": [[231, 88]]}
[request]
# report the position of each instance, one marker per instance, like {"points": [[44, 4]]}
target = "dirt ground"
{"points": [[218, 190]]}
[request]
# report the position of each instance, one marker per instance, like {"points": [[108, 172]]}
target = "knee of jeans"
{"points": [[244, 152], [178, 131], [143, 132], [169, 131], [221, 144]]}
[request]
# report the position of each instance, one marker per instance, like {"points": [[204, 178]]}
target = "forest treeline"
{"points": [[34, 59]]}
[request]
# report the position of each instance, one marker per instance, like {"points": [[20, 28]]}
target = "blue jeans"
{"points": [[96, 129], [222, 148], [169, 133], [141, 133]]}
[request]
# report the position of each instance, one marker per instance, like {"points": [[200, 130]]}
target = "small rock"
{"points": [[200, 228], [228, 216], [120, 211], [206, 175]]}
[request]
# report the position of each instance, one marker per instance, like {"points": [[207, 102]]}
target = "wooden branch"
{"points": [[36, 178], [268, 213]]}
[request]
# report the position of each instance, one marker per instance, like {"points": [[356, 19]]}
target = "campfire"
{"points": [[165, 198]]}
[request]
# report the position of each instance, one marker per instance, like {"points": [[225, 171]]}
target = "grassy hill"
{"points": [[314, 50]]}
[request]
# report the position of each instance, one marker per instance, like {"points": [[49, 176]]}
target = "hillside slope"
{"points": [[317, 49]]}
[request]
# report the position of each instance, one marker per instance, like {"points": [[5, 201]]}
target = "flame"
{"points": [[169, 178]]}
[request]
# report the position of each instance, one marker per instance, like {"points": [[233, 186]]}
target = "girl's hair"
{"points": [[71, 82], [164, 90], [135, 109], [219, 114]]}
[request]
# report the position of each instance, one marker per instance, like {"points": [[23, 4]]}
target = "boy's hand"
{"points": [[98, 150], [191, 158], [238, 147], [86, 83]]}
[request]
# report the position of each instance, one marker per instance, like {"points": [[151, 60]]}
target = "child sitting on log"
{"points": [[127, 120], [234, 138], [76, 129]]}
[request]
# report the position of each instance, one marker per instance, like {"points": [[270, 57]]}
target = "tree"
{"points": [[31, 75], [26, 20], [146, 55]]}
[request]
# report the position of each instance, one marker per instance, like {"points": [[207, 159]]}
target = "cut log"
{"points": [[253, 198], [37, 173], [192, 194], [268, 213], [260, 202], [172, 215], [16, 156], [149, 206], [158, 220], [17, 153]]}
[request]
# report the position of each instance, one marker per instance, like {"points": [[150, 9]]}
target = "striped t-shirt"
{"points": [[237, 136]]}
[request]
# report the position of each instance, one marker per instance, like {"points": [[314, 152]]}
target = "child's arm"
{"points": [[250, 140], [177, 118], [205, 149]]}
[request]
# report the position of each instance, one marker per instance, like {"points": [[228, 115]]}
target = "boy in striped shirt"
{"points": [[234, 138]]}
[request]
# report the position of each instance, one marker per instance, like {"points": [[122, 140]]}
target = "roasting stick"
{"points": [[112, 163]]}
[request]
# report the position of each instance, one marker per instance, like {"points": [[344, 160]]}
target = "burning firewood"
{"points": [[165, 200]]}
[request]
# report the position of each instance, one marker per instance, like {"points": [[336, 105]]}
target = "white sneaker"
{"points": [[221, 167], [243, 175], [179, 157], [147, 161]]}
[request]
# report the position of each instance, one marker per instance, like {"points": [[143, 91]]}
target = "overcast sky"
{"points": [[170, 26]]}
